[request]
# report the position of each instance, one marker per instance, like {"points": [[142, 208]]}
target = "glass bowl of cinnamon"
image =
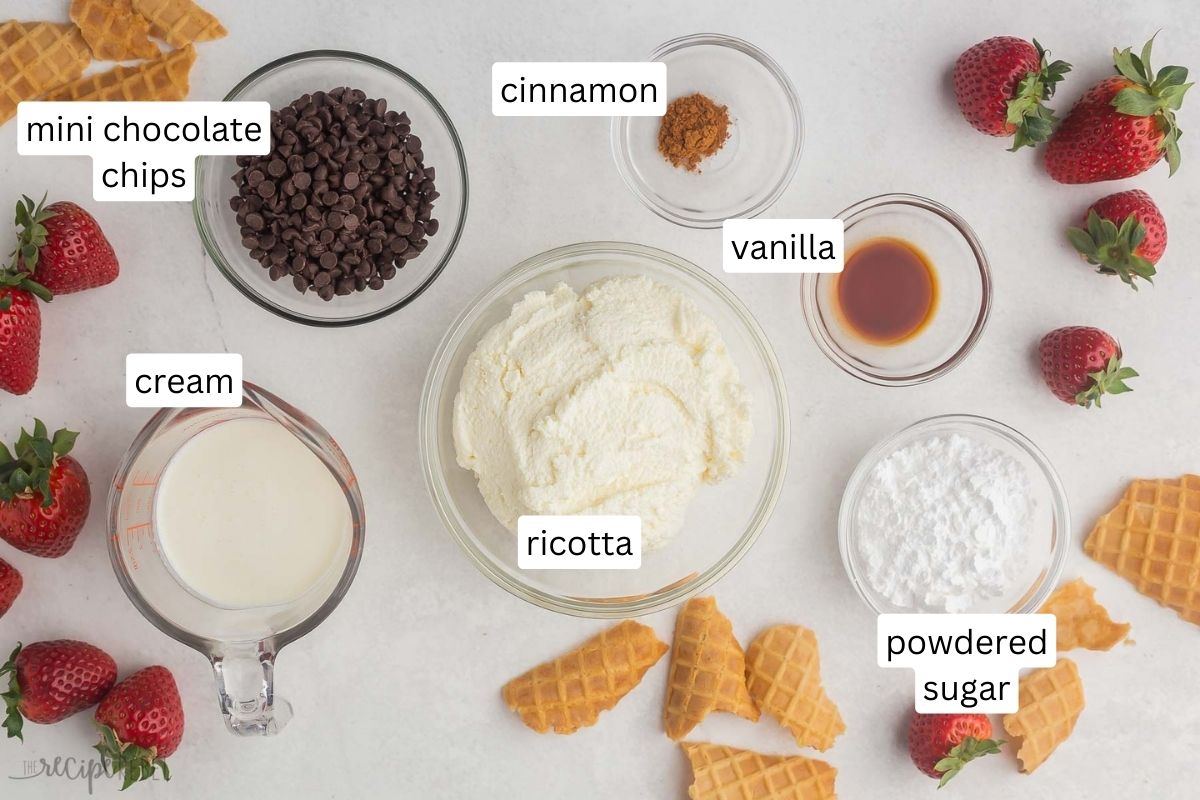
{"points": [[729, 143]]}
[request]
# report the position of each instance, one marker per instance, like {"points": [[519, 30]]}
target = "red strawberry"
{"points": [[10, 585], [1125, 235], [1000, 85], [141, 724], [20, 335], [942, 744], [1081, 365], [50, 681], [44, 493], [63, 246], [1122, 126]]}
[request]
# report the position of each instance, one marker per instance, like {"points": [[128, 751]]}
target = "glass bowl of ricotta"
{"points": [[954, 514], [716, 525]]}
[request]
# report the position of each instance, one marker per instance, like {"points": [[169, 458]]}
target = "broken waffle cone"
{"points": [[569, 693], [1081, 621], [164, 78], [727, 773], [708, 670], [1051, 700], [783, 674], [36, 56], [179, 22], [113, 30], [1152, 539]]}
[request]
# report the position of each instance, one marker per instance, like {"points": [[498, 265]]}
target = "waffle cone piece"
{"points": [[1152, 539], [569, 693], [727, 773], [36, 56], [708, 670], [164, 78], [1051, 700], [113, 30], [1082, 622], [180, 22], [783, 674]]}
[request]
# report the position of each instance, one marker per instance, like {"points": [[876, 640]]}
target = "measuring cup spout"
{"points": [[245, 677]]}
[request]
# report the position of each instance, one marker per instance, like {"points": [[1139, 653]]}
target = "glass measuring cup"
{"points": [[241, 643]]}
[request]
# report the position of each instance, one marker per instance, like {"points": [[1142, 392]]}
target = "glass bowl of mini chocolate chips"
{"points": [[359, 204]]}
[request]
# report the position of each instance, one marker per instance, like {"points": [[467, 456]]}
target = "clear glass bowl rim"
{"points": [[1060, 511], [820, 334], [218, 258], [620, 148], [439, 494]]}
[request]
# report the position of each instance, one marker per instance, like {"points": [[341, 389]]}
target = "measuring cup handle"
{"points": [[246, 690]]}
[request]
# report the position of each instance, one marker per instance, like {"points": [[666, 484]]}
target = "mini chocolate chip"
{"points": [[344, 197]]}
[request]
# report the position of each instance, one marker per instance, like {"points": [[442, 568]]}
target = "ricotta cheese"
{"points": [[621, 399]]}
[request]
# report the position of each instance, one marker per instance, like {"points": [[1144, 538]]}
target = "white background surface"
{"points": [[397, 694]]}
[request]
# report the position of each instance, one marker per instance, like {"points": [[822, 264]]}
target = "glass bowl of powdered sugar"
{"points": [[954, 514]]}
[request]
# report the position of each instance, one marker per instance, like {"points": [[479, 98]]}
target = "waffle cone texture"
{"points": [[571, 691], [783, 674], [113, 30], [708, 670], [1152, 539], [164, 78], [727, 773], [1051, 700], [35, 57], [1081, 621], [179, 22]]}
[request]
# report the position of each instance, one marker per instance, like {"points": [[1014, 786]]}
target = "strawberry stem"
{"points": [[963, 753], [1110, 380], [1112, 248], [31, 237], [1158, 96], [1035, 122], [27, 467], [13, 721], [138, 763]]}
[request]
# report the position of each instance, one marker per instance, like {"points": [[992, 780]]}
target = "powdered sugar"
{"points": [[943, 524]]}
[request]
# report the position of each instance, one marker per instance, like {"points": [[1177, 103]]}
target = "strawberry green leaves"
{"points": [[27, 467], [31, 236], [32, 233], [1035, 122], [1158, 96], [1110, 380], [961, 754], [137, 763], [1113, 248], [13, 721], [21, 280]]}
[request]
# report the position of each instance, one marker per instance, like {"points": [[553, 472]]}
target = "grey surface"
{"points": [[398, 693]]}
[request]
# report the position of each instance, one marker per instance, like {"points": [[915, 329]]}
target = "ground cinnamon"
{"points": [[693, 128]]}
